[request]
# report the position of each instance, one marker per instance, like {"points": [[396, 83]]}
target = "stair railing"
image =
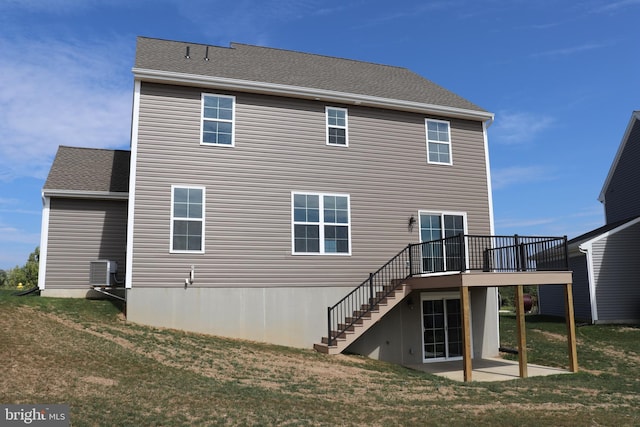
{"points": [[343, 315], [458, 253]]}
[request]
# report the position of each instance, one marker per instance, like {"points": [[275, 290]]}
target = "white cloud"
{"points": [[505, 177], [615, 6], [569, 50], [519, 127], [61, 93]]}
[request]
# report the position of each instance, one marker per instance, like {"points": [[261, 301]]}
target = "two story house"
{"points": [[284, 197], [605, 260]]}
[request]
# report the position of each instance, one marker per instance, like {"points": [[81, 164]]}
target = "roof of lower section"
{"points": [[294, 69], [89, 170]]}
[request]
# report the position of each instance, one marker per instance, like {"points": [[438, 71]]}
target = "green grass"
{"points": [[83, 353]]}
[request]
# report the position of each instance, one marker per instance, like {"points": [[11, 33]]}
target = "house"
{"points": [[283, 197], [604, 261]]}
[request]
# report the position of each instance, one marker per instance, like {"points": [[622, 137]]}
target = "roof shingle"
{"points": [[89, 169], [304, 70]]}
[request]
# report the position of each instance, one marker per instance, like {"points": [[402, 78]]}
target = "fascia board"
{"points": [[307, 93], [79, 194], [634, 117]]}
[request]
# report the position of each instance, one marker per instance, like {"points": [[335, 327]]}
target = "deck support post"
{"points": [[466, 333], [522, 334], [571, 327]]}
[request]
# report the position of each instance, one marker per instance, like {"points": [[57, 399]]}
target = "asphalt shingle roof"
{"points": [[89, 169], [304, 70]]}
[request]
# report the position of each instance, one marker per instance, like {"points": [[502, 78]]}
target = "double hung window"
{"points": [[321, 224], [218, 120], [438, 142], [337, 126], [187, 219]]}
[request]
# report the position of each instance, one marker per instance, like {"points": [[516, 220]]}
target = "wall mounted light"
{"points": [[412, 223]]}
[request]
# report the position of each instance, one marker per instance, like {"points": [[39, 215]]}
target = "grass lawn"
{"points": [[84, 354]]}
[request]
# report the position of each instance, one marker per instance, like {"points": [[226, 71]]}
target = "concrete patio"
{"points": [[485, 370]]}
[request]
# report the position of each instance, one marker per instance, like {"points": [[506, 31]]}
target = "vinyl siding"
{"points": [[617, 272], [80, 231], [552, 297], [280, 148], [622, 199]]}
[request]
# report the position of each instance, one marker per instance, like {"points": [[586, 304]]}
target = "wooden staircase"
{"points": [[362, 320]]}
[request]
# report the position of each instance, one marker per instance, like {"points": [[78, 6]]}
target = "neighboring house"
{"points": [[266, 184], [606, 271]]}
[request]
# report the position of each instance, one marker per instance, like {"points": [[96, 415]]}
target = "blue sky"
{"points": [[561, 77]]}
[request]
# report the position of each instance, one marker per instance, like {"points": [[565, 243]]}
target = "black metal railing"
{"points": [[452, 254], [494, 254], [359, 302]]}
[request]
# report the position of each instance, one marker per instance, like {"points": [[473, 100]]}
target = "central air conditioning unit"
{"points": [[101, 272]]}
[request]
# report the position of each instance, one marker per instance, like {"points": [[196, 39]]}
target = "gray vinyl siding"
{"points": [[622, 199], [80, 231], [552, 296], [617, 272], [280, 148]]}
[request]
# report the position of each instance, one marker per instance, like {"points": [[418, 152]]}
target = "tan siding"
{"points": [[280, 148], [81, 231]]}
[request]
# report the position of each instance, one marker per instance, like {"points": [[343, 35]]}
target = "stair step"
{"points": [[344, 327], [321, 348], [353, 320], [365, 314]]}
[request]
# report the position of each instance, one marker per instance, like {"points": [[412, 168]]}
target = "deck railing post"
{"points": [[566, 254], [370, 290], [517, 252], [463, 261], [329, 341], [410, 251]]}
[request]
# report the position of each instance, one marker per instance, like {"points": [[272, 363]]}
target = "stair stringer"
{"points": [[374, 316]]}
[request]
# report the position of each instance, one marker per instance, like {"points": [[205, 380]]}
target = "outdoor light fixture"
{"points": [[412, 222]]}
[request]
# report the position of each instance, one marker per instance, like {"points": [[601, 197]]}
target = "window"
{"points": [[187, 219], [321, 224], [337, 126], [440, 256], [217, 119], [438, 142]]}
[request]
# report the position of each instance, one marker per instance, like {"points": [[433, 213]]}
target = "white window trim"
{"points": [[345, 127], [232, 121], [204, 204], [426, 130], [320, 223]]}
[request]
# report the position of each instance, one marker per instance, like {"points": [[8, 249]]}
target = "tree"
{"points": [[3, 278], [27, 274]]}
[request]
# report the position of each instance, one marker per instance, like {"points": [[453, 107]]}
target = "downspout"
{"points": [[587, 250], [485, 125]]}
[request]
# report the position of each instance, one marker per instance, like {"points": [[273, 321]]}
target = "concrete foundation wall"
{"points": [[295, 317], [77, 293], [398, 337]]}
